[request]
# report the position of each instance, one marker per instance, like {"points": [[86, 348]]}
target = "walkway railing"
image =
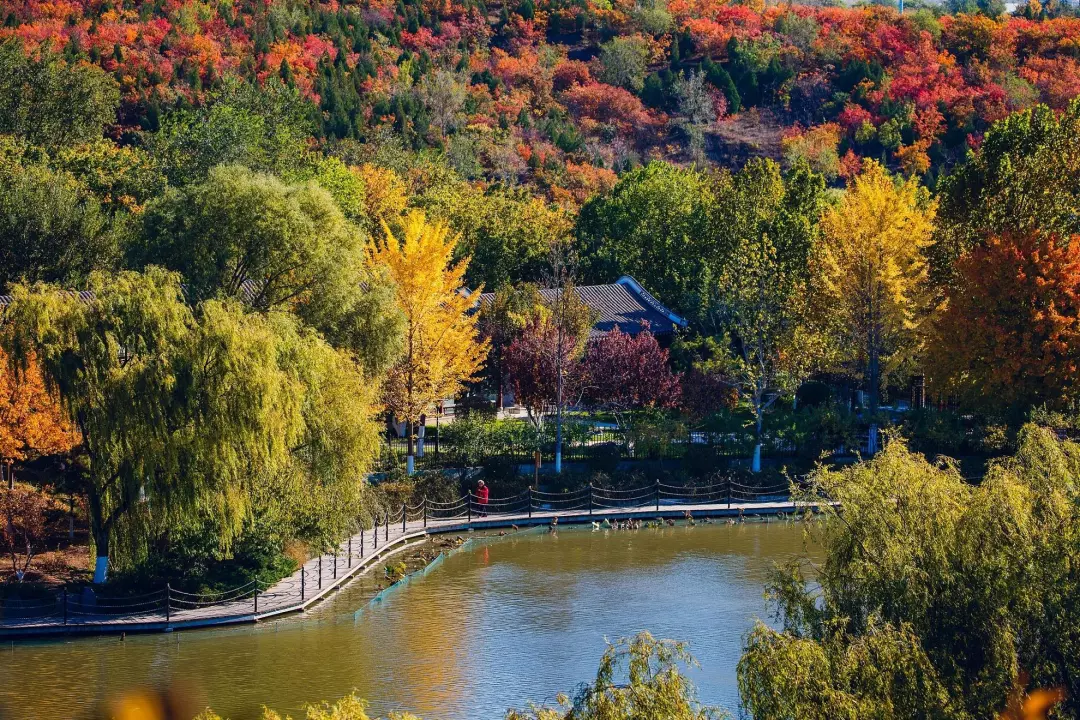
{"points": [[168, 607], [587, 499]]}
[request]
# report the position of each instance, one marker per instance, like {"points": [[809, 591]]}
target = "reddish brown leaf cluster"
{"points": [[1010, 334]]}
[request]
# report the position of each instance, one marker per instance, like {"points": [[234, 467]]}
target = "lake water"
{"points": [[494, 625]]}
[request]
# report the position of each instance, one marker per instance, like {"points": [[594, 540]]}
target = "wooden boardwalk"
{"points": [[323, 575]]}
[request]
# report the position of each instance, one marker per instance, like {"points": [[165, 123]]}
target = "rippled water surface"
{"points": [[499, 623]]}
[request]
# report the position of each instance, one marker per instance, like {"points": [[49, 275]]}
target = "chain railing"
{"points": [[170, 605]]}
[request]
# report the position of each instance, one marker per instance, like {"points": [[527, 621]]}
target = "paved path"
{"points": [[323, 575]]}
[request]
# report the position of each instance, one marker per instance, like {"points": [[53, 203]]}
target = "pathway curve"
{"points": [[168, 610]]}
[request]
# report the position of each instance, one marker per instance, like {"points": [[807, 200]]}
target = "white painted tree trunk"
{"points": [[420, 440], [410, 464], [101, 569], [755, 466], [872, 440]]}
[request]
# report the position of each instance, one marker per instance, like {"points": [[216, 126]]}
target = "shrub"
{"points": [[823, 428], [935, 431], [638, 678]]}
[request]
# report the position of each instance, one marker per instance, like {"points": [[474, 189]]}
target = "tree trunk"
{"points": [[755, 466], [873, 376], [420, 433], [100, 533], [410, 461], [498, 386], [101, 556], [558, 424]]}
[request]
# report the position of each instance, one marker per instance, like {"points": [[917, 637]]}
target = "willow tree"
{"points": [[872, 276], [322, 487], [927, 596], [638, 677], [275, 246], [442, 348], [192, 415]]}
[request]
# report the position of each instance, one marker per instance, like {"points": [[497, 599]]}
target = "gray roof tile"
{"points": [[623, 304]]}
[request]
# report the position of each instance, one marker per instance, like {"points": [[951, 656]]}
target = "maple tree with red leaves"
{"points": [[532, 363], [625, 372]]}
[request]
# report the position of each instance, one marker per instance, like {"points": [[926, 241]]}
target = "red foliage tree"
{"points": [[22, 526], [532, 360], [599, 103], [1010, 334], [625, 372], [706, 393], [569, 73]]}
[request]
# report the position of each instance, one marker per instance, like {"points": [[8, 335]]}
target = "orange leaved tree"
{"points": [[1009, 337], [32, 423], [442, 347]]}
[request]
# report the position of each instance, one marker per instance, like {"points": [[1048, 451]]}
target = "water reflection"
{"points": [[509, 620]]}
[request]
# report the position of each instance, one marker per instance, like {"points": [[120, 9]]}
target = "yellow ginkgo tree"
{"points": [[442, 348], [872, 276]]}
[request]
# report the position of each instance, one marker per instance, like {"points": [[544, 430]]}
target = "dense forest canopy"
{"points": [[562, 95]]}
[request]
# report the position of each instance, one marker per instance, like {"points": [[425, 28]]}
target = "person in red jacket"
{"points": [[482, 497]]}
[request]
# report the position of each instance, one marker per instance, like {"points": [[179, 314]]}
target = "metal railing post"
{"points": [[469, 501], [657, 492], [335, 562], [168, 610], [65, 606], [362, 531], [404, 516], [320, 571], [425, 499], [256, 597], [590, 498], [350, 551], [530, 500], [729, 493], [386, 527], [303, 574]]}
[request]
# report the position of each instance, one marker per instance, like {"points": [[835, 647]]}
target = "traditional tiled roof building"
{"points": [[623, 304]]}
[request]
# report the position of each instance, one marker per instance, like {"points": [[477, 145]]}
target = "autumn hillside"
{"points": [[563, 95]]}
